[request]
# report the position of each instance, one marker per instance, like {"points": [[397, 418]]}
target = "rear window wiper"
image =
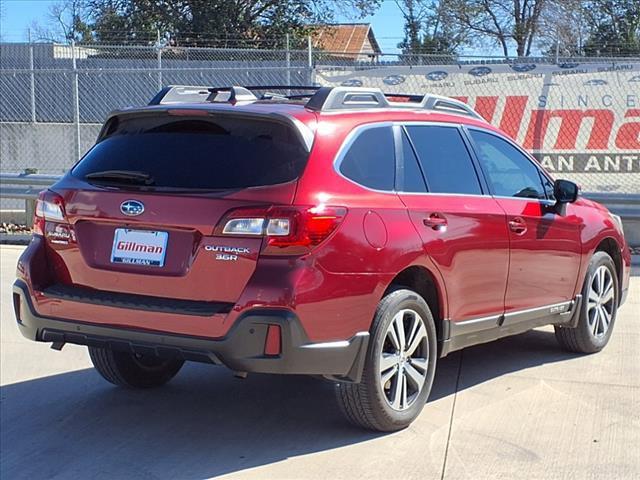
{"points": [[122, 176]]}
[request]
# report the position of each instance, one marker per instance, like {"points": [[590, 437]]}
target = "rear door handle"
{"points": [[518, 226], [436, 221]]}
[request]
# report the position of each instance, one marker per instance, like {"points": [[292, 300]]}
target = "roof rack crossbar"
{"points": [[201, 94], [233, 94], [321, 99]]}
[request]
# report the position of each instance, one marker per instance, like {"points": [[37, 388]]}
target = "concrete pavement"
{"points": [[516, 408]]}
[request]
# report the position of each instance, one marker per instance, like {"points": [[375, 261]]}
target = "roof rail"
{"points": [[329, 99], [321, 99], [448, 105], [347, 98]]}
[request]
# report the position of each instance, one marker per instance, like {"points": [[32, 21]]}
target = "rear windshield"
{"points": [[216, 153]]}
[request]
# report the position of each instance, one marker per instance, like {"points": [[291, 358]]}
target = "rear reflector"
{"points": [[16, 306], [272, 345]]}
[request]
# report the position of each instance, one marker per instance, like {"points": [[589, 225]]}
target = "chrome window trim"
{"points": [[436, 194], [352, 135], [543, 201]]}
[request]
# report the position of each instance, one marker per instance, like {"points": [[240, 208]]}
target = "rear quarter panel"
{"points": [[338, 296]]}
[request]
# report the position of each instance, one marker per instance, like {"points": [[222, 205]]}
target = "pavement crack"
{"points": [[453, 409]]}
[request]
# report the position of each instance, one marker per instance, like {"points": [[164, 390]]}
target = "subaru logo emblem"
{"points": [[132, 208], [352, 82], [480, 71], [437, 76]]}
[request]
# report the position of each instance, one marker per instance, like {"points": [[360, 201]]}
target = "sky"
{"points": [[17, 15]]}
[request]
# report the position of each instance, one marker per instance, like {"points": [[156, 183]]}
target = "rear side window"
{"points": [[445, 160], [217, 153], [370, 160]]}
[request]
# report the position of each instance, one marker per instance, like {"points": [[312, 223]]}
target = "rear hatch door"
{"points": [[144, 203]]}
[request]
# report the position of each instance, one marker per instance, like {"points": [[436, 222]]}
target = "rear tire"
{"points": [[600, 297], [135, 371], [399, 367]]}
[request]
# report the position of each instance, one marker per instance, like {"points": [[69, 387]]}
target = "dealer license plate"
{"points": [[139, 247]]}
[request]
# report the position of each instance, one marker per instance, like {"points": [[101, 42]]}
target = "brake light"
{"points": [[287, 230], [49, 208]]}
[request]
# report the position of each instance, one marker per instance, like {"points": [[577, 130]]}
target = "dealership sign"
{"points": [[575, 118]]}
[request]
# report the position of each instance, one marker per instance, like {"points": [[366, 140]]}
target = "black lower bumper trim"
{"points": [[136, 302], [242, 349]]}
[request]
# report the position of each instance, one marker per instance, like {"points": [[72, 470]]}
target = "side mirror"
{"points": [[565, 191]]}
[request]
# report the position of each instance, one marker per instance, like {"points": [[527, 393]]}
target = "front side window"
{"points": [[370, 160], [509, 172], [445, 160]]}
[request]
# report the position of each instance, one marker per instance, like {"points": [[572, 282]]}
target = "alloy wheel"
{"points": [[404, 359], [601, 302]]}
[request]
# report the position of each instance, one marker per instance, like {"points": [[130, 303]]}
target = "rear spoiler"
{"points": [[304, 133]]}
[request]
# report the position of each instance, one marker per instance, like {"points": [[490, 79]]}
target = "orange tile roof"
{"points": [[346, 39]]}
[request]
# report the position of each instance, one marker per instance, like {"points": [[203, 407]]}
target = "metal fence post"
{"points": [[29, 211], [32, 85], [159, 47], [310, 59], [76, 98], [287, 57]]}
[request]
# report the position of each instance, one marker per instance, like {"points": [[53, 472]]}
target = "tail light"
{"points": [[49, 212], [287, 230]]}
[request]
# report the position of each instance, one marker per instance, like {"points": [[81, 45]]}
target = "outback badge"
{"points": [[226, 253]]}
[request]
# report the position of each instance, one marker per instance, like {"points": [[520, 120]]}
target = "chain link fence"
{"points": [[580, 117]]}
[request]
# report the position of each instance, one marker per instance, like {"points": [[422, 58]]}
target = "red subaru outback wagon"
{"points": [[337, 232]]}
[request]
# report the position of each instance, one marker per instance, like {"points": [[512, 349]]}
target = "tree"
{"points": [[71, 15], [614, 27], [210, 22], [501, 21], [562, 28], [67, 22], [414, 13], [427, 28]]}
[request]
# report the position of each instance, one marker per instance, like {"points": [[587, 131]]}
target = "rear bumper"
{"points": [[242, 349]]}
